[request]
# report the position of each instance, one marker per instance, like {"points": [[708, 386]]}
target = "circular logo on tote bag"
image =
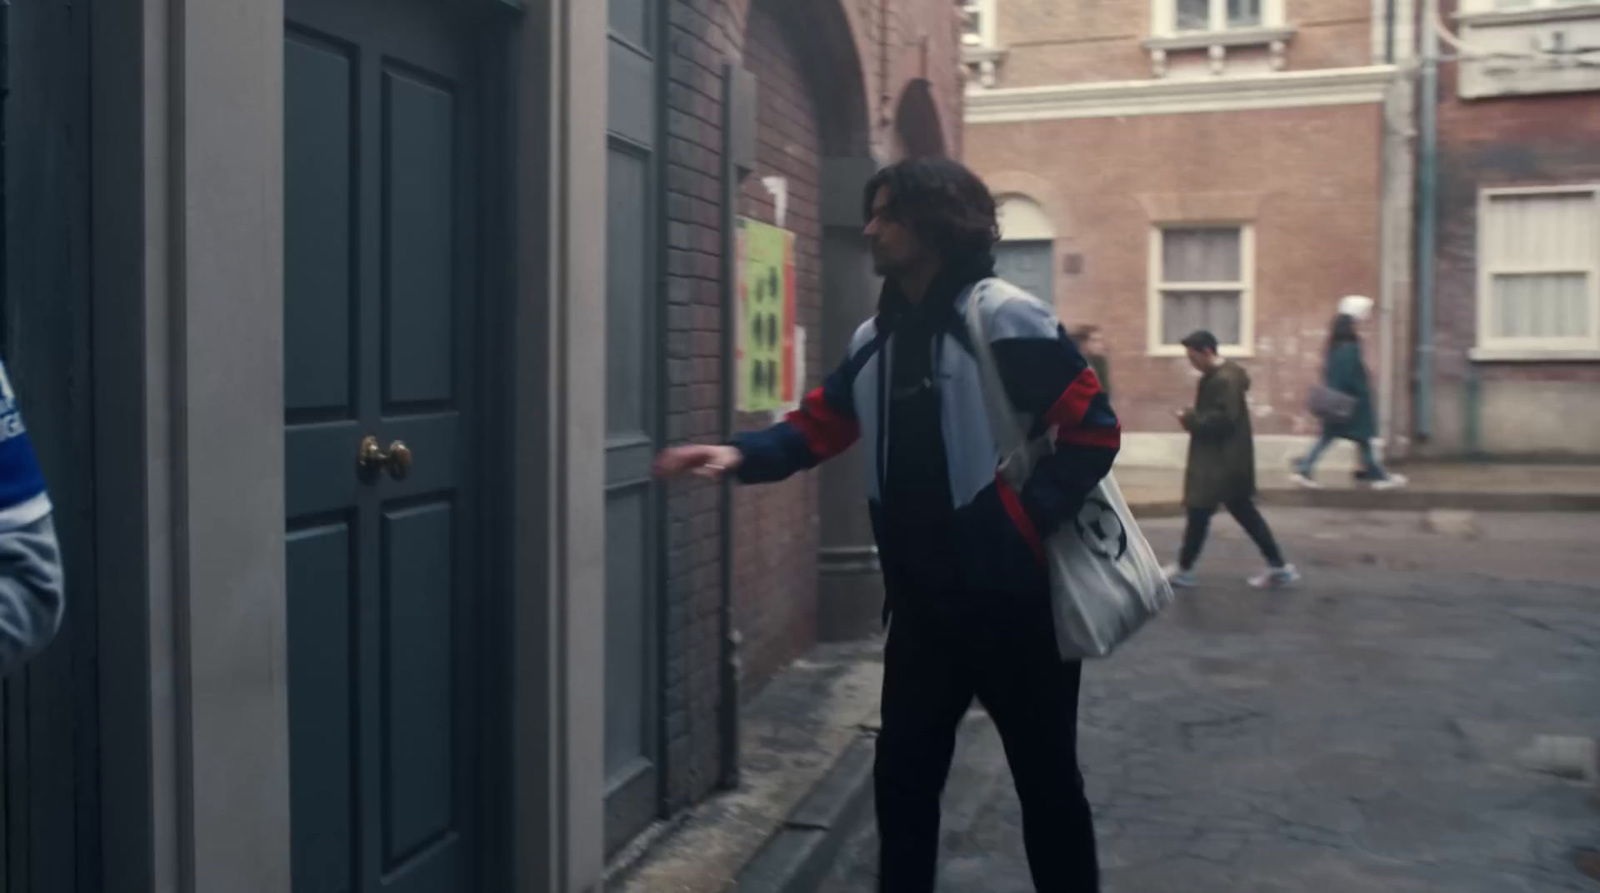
{"points": [[1101, 529]]}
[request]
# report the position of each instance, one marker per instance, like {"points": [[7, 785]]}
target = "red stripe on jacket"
{"points": [[827, 431], [1073, 404], [1107, 438], [1019, 516], [1068, 413]]}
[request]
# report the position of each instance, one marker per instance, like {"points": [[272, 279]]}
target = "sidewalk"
{"points": [[806, 765], [1158, 492]]}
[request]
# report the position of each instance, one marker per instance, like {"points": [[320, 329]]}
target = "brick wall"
{"points": [[1308, 178], [1546, 140], [817, 61], [1050, 42], [775, 565]]}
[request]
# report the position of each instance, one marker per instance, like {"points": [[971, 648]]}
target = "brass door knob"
{"points": [[396, 460]]}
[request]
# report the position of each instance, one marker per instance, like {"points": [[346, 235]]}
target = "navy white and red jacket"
{"points": [[994, 535], [32, 599]]}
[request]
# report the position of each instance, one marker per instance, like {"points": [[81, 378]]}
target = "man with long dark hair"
{"points": [[968, 595]]}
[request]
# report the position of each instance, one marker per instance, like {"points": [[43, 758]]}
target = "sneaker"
{"points": [[1575, 757], [1276, 577], [1179, 578], [1392, 482], [1302, 480]]}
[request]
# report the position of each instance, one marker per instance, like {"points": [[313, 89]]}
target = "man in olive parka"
{"points": [[1222, 465]]}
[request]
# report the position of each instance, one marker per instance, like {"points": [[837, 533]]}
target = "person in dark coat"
{"points": [[1346, 373], [1222, 465]]}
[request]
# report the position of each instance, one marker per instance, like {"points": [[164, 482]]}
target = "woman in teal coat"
{"points": [[1347, 374]]}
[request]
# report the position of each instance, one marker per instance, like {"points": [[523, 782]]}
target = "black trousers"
{"points": [[1002, 650], [1249, 517]]}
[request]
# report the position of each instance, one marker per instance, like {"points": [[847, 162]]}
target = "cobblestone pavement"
{"points": [[1354, 734]]}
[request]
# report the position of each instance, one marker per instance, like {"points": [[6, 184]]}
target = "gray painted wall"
{"points": [[559, 439], [227, 461]]}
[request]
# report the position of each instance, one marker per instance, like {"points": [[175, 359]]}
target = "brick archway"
{"points": [[837, 41]]}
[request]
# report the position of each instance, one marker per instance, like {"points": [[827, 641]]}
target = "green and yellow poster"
{"points": [[765, 351]]}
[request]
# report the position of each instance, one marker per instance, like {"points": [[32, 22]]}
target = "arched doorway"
{"points": [[917, 129], [1026, 253], [803, 563]]}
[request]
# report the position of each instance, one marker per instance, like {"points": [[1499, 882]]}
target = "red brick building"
{"points": [[1515, 367], [822, 93], [1166, 165]]}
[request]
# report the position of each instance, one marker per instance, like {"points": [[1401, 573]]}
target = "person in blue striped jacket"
{"points": [[32, 598], [967, 591]]}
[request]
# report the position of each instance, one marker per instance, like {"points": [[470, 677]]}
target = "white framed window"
{"points": [[978, 24], [1539, 271], [1202, 276], [1471, 6], [1180, 17]]}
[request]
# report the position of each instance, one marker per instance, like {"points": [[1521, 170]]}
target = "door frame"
{"points": [[187, 408]]}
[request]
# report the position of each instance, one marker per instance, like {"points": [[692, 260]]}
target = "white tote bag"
{"points": [[1105, 581]]}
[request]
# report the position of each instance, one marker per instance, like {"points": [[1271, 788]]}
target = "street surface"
{"points": [[1354, 734]]}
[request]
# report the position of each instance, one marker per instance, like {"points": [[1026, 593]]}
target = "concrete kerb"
{"points": [[1396, 500], [798, 855]]}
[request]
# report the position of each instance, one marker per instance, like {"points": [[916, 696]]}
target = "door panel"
{"points": [[627, 624], [419, 193], [633, 381], [628, 327], [320, 578], [318, 79], [1029, 266], [418, 657], [380, 301], [630, 20]]}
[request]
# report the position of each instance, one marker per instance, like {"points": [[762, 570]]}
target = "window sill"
{"points": [[1226, 351], [1530, 16], [1205, 40], [1533, 355]]}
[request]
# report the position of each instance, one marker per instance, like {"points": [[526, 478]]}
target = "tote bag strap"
{"points": [[1009, 435]]}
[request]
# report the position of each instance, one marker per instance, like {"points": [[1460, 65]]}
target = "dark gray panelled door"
{"points": [[383, 575], [1029, 266], [632, 742]]}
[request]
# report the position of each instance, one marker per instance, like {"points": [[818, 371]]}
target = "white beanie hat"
{"points": [[1358, 306]]}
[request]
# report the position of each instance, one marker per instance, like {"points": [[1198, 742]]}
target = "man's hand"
{"points": [[1182, 415], [702, 460]]}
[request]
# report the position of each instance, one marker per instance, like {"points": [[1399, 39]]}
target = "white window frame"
{"points": [[1164, 18], [1474, 7], [1577, 348], [1246, 287], [987, 37]]}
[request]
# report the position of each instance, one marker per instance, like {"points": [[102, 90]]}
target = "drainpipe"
{"points": [[1427, 219], [1388, 32], [738, 140], [1394, 177], [885, 99], [1472, 415]]}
